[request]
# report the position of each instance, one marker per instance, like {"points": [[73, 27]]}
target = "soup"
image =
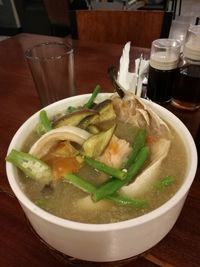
{"points": [[117, 130]]}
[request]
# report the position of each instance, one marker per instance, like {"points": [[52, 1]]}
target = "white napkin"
{"points": [[128, 80]]}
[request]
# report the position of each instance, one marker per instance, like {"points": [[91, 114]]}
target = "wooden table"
{"points": [[19, 245]]}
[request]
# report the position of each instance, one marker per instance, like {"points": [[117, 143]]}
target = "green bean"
{"points": [[90, 188], [80, 183], [130, 202], [44, 120], [138, 164], [90, 101], [44, 124], [100, 166], [92, 98], [113, 185], [164, 182], [108, 188], [31, 166], [139, 142]]}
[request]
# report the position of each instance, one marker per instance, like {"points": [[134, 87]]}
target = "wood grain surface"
{"points": [[19, 245], [115, 26]]}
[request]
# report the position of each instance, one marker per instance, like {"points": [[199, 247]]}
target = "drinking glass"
{"points": [[52, 68]]}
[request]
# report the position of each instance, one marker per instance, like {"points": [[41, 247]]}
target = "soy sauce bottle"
{"points": [[164, 60], [197, 141], [186, 89]]}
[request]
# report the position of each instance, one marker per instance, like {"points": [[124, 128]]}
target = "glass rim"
{"points": [[68, 46], [166, 43]]}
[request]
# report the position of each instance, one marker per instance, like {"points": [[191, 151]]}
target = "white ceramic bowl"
{"points": [[104, 242]]}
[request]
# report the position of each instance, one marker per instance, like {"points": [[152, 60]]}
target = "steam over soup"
{"points": [[101, 162]]}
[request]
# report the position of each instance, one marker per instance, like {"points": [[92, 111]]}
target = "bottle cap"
{"points": [[165, 54]]}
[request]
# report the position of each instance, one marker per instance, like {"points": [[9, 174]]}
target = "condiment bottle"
{"points": [[197, 141], [164, 60], [186, 89]]}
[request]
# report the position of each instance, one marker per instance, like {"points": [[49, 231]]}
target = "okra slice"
{"points": [[31, 166]]}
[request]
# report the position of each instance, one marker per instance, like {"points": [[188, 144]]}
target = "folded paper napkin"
{"points": [[132, 80]]}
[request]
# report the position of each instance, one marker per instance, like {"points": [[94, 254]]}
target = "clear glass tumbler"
{"points": [[52, 68]]}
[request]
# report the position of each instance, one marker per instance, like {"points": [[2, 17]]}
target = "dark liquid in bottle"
{"points": [[197, 141], [186, 92], [160, 82]]}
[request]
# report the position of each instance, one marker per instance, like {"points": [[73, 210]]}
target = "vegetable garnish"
{"points": [[113, 185], [164, 183], [44, 124], [73, 118], [93, 96], [90, 188], [31, 166], [80, 183], [125, 201], [134, 169], [90, 101], [96, 144], [139, 142], [100, 166]]}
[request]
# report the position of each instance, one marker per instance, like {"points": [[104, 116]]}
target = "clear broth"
{"points": [[62, 199]]}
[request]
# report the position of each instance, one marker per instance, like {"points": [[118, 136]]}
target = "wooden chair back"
{"points": [[116, 26], [58, 12]]}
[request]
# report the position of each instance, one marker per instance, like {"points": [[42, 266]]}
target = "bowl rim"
{"points": [[88, 227]]}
